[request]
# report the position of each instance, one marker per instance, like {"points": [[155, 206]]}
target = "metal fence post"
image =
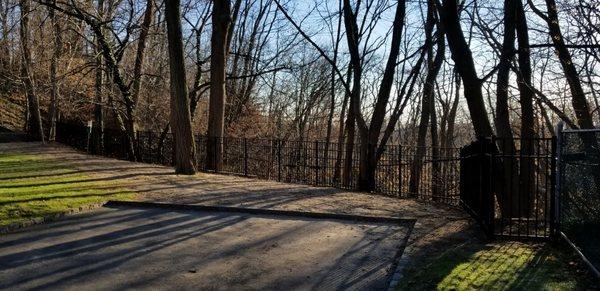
{"points": [[557, 143], [88, 136], [317, 162], [279, 160], [399, 171], [245, 156], [490, 190]]}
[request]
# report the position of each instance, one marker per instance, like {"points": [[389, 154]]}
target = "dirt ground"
{"points": [[437, 226]]}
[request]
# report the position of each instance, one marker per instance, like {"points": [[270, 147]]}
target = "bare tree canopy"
{"points": [[371, 72]]}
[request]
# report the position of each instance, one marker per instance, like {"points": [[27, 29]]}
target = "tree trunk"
{"points": [[527, 165], [463, 59], [98, 126], [181, 121], [35, 128], [452, 115], [54, 86], [332, 101], [433, 67], [436, 178], [5, 53], [370, 136], [132, 100], [349, 152], [580, 105], [509, 187], [139, 54], [340, 141], [221, 20]]}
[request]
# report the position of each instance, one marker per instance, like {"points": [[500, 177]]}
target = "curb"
{"points": [[401, 264], [258, 211]]}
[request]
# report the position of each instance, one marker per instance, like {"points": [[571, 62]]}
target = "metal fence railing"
{"points": [[507, 185], [579, 192], [305, 162], [516, 188]]}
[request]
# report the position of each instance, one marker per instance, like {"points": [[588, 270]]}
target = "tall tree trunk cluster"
{"points": [[428, 119]]}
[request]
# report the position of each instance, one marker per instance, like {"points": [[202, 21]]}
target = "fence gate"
{"points": [[476, 194], [578, 192], [507, 185]]}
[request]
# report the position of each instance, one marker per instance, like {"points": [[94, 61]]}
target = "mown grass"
{"points": [[32, 186], [500, 266]]}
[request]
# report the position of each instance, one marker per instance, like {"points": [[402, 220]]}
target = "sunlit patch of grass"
{"points": [[32, 186], [499, 266]]}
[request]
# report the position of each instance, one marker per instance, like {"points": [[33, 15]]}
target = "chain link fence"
{"points": [[579, 192]]}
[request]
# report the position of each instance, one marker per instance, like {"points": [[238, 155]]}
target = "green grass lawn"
{"points": [[499, 266], [32, 186]]}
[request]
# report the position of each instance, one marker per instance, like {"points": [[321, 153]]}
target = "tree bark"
{"points": [[139, 54], [580, 105], [5, 54], [509, 186], [332, 100], [98, 125], [34, 128], [436, 178], [463, 59], [221, 20], [342, 130], [132, 100], [452, 115], [433, 67], [181, 121], [369, 136], [54, 83], [527, 165]]}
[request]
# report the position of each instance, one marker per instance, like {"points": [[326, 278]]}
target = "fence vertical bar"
{"points": [[279, 160], [88, 136], [245, 156], [557, 143], [399, 170], [317, 162], [490, 190], [149, 149]]}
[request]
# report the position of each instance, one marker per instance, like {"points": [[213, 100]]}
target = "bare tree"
{"points": [[181, 121], [579, 101], [54, 82], [34, 128], [463, 59], [221, 19], [427, 115], [97, 142]]}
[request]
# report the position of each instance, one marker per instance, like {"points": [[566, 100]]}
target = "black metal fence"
{"points": [[305, 162], [579, 192], [507, 185], [516, 188]]}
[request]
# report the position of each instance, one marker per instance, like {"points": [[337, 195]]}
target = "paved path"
{"points": [[120, 248]]}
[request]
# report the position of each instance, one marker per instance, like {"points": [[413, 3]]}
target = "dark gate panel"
{"points": [[476, 193], [507, 185]]}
